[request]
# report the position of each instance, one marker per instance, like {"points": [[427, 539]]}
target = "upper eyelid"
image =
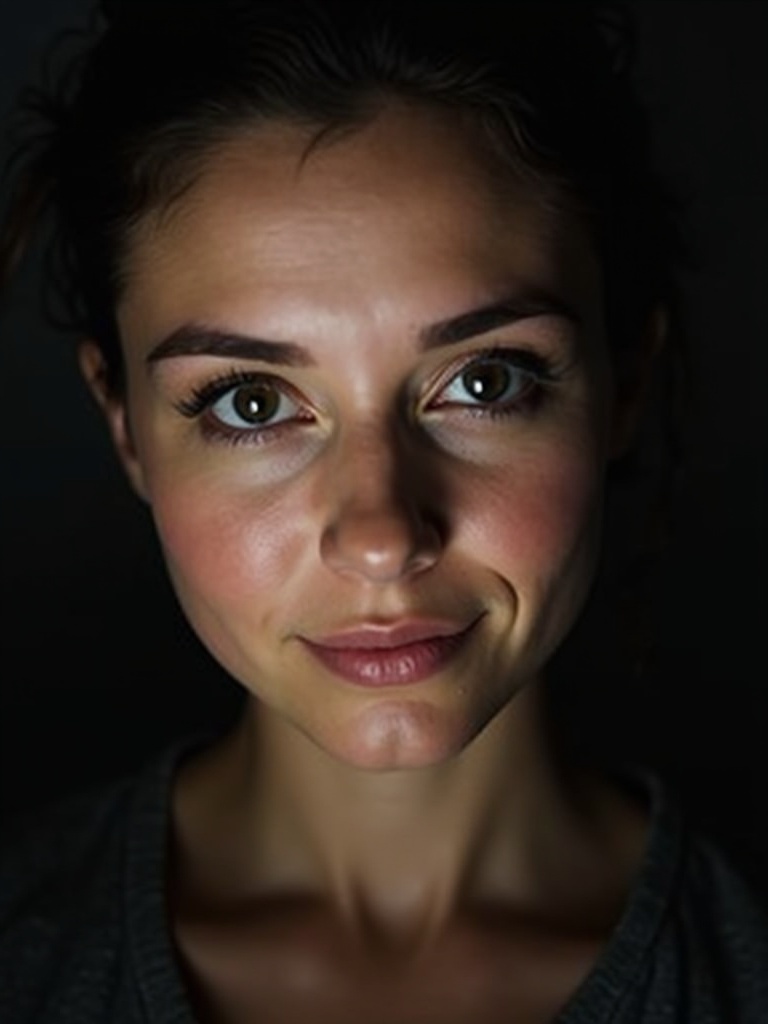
{"points": [[537, 364], [514, 353], [528, 359], [202, 396]]}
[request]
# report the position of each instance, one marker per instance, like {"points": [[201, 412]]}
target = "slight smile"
{"points": [[394, 654]]}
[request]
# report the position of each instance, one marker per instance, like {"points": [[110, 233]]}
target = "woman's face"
{"points": [[369, 404]]}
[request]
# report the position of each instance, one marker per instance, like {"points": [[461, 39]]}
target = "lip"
{"points": [[391, 654]]}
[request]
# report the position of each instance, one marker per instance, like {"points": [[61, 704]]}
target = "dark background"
{"points": [[98, 667]]}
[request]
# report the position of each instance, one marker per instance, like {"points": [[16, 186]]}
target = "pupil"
{"points": [[256, 403], [487, 382]]}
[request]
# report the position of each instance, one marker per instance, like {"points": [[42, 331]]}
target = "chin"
{"points": [[400, 735]]}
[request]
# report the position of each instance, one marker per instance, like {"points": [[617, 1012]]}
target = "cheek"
{"points": [[225, 544], [534, 516]]}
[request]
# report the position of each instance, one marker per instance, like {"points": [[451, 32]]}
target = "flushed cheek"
{"points": [[231, 551], [536, 522]]}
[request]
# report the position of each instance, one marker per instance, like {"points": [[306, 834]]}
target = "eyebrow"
{"points": [[489, 318], [197, 340]]}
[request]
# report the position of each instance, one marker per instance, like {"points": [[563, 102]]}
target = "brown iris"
{"points": [[256, 403], [487, 382]]}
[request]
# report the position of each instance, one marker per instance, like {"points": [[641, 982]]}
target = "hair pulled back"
{"points": [[129, 125]]}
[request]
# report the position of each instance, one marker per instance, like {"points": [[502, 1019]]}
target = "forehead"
{"points": [[412, 208]]}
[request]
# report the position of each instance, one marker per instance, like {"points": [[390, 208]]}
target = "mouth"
{"points": [[394, 654]]}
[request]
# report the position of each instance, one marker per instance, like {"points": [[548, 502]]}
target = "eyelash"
{"points": [[203, 398], [540, 371]]}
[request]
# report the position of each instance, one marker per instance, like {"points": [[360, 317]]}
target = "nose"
{"points": [[382, 526]]}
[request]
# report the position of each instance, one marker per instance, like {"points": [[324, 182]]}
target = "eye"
{"points": [[257, 403], [495, 380], [244, 407]]}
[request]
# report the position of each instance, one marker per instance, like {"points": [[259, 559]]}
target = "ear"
{"points": [[633, 373], [94, 370]]}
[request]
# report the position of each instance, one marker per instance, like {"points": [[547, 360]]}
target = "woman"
{"points": [[369, 300]]}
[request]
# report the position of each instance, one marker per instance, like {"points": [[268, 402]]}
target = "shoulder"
{"points": [[64, 890], [725, 927], [43, 852], [699, 935], [59, 871]]}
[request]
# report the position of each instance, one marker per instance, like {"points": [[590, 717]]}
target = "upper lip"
{"points": [[389, 635]]}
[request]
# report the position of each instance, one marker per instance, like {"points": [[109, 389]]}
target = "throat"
{"points": [[396, 859]]}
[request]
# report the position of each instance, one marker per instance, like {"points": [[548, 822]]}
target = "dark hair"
{"points": [[129, 125]]}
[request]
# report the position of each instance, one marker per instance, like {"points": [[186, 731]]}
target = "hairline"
{"points": [[162, 202]]}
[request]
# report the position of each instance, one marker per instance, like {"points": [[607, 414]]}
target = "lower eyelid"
{"points": [[528, 402], [218, 432]]}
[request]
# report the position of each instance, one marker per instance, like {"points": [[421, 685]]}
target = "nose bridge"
{"points": [[381, 525], [372, 466]]}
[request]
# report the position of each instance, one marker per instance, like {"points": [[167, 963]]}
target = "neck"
{"points": [[398, 851]]}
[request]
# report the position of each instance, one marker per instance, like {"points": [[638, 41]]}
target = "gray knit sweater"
{"points": [[84, 937]]}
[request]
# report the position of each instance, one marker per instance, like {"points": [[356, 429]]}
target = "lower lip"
{"points": [[396, 666]]}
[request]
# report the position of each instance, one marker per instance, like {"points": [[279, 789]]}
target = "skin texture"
{"points": [[450, 517], [383, 496]]}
